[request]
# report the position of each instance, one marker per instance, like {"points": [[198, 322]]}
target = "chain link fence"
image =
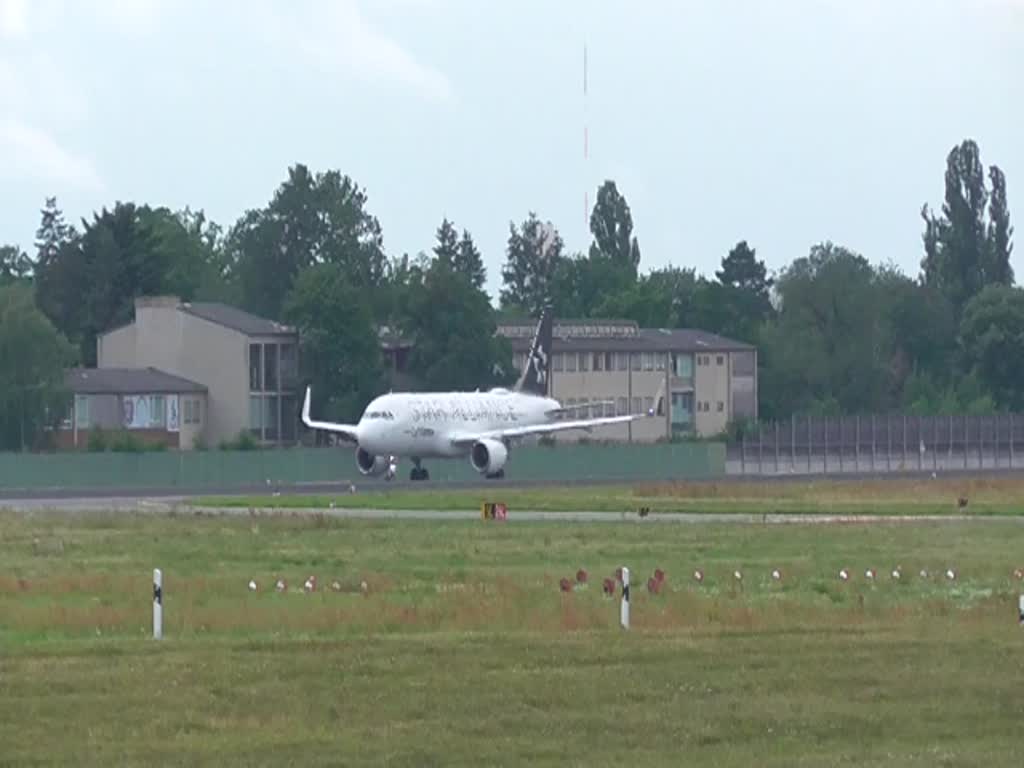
{"points": [[878, 444]]}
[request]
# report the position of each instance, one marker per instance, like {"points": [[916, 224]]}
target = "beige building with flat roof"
{"points": [[247, 365], [697, 381]]}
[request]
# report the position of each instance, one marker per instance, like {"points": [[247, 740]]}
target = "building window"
{"points": [[270, 367], [255, 368], [271, 414], [659, 361], [289, 366], [82, 411], [598, 361], [623, 406], [256, 416], [636, 405], [621, 361], [682, 365], [609, 407], [556, 361], [584, 361], [609, 361], [570, 362], [289, 417], [721, 406], [192, 411], [648, 361], [720, 360], [648, 404], [634, 359]]}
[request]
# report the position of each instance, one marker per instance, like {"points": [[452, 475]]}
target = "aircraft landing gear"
{"points": [[496, 475], [418, 473]]}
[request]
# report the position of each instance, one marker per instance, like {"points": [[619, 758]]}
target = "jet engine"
{"points": [[488, 457], [369, 464]]}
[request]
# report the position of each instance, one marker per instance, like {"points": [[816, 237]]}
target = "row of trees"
{"points": [[836, 333]]}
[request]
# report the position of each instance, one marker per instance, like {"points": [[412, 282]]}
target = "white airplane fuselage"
{"points": [[423, 424]]}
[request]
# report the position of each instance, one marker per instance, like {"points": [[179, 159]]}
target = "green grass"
{"points": [[463, 650], [985, 496]]}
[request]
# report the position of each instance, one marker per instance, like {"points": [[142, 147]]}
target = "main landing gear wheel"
{"points": [[418, 473], [496, 475]]}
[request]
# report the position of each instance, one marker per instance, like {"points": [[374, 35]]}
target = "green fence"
{"points": [[245, 469]]}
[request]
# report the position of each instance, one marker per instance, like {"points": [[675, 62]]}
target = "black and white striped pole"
{"points": [[1020, 605], [158, 604], [624, 610]]}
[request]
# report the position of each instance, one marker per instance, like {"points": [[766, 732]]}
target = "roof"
{"points": [[235, 318], [645, 340], [127, 381]]}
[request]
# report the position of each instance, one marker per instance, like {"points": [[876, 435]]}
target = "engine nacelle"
{"points": [[369, 464], [488, 456]]}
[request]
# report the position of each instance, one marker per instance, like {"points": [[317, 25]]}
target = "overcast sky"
{"points": [[784, 123]]}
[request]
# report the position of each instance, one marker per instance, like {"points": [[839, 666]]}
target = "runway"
{"points": [[181, 506]]}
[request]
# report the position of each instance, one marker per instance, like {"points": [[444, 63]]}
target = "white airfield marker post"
{"points": [[1021, 609], [158, 607], [624, 610]]}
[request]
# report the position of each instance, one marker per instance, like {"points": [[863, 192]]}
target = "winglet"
{"points": [[305, 408]]}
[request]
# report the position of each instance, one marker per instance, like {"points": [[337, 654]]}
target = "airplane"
{"points": [[477, 425]]}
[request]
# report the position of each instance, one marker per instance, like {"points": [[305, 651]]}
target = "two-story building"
{"points": [[246, 366], [701, 381]]}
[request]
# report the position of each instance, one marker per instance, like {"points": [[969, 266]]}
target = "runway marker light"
{"points": [[336, 585], [869, 574], [698, 575], [565, 585], [950, 574], [737, 575], [252, 585], [608, 586], [896, 574], [923, 574], [581, 576], [843, 574], [776, 574], [1019, 574], [281, 585]]}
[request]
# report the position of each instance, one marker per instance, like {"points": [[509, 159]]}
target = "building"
{"points": [[153, 406], [247, 365], [704, 381]]}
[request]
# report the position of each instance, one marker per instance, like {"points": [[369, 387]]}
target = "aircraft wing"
{"points": [[346, 430], [542, 429]]}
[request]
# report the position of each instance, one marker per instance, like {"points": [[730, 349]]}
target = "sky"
{"points": [[783, 123]]}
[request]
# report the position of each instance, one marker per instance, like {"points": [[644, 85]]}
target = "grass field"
{"points": [[462, 650], [984, 495]]}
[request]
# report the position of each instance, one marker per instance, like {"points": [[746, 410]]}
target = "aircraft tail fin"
{"points": [[535, 376]]}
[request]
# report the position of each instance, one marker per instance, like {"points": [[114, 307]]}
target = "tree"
{"points": [[611, 224], [192, 247], [1000, 232], [742, 270], [453, 328], [312, 219], [460, 254], [447, 248], [992, 338], [468, 262], [533, 255], [963, 254], [829, 343], [91, 285], [33, 358], [15, 265], [340, 350]]}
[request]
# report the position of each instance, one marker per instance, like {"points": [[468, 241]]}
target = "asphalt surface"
{"points": [[376, 485]]}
